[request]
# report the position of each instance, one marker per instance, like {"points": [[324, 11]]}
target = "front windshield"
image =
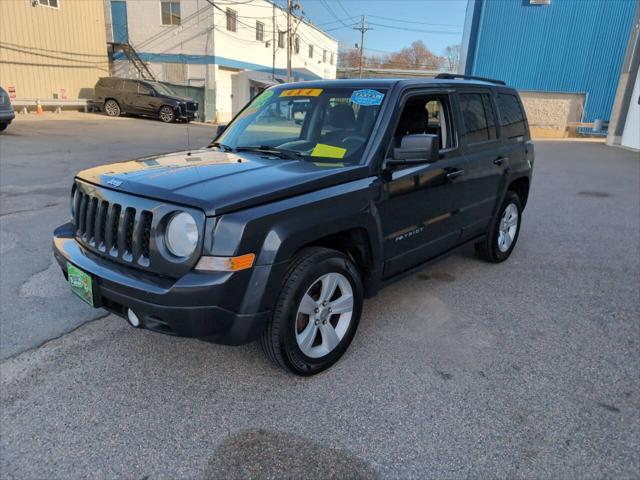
{"points": [[161, 89], [330, 124]]}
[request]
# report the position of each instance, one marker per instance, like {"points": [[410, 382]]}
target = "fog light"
{"points": [[133, 319]]}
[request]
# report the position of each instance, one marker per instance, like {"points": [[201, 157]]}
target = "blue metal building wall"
{"points": [[572, 46]]}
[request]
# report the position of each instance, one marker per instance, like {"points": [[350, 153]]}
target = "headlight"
{"points": [[181, 235]]}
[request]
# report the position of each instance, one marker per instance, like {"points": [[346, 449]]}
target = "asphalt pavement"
{"points": [[526, 369]]}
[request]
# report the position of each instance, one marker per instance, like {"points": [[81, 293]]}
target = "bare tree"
{"points": [[415, 57], [452, 56]]}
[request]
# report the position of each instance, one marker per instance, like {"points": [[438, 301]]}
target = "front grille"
{"points": [[192, 106], [118, 230]]}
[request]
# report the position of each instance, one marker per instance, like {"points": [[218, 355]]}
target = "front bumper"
{"points": [[220, 307]]}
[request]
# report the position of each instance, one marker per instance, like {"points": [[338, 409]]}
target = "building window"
{"points": [[49, 3], [296, 44], [310, 51], [324, 56], [170, 13], [280, 39], [232, 20], [260, 31], [332, 59]]}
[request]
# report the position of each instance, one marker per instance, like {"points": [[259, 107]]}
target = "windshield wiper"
{"points": [[221, 146], [278, 152]]}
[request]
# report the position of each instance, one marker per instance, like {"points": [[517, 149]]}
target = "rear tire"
{"points": [[111, 108], [505, 228], [316, 314], [166, 114]]}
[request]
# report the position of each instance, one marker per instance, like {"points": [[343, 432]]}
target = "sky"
{"points": [[426, 17]]}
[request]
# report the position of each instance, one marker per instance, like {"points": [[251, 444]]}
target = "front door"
{"points": [[419, 203], [119, 24]]}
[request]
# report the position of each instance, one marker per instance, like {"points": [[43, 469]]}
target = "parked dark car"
{"points": [[277, 231], [6, 110], [116, 96]]}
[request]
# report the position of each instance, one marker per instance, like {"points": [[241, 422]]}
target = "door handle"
{"points": [[454, 174], [500, 160]]}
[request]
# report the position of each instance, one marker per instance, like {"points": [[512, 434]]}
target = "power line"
{"points": [[416, 23], [406, 29]]}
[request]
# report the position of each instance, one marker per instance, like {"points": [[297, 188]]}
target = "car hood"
{"points": [[219, 182]]}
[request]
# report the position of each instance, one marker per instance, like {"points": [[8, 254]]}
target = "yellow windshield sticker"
{"points": [[328, 151], [302, 92]]}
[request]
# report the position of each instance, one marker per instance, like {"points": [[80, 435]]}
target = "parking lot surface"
{"points": [[525, 369]]}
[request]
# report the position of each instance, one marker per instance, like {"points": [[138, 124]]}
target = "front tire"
{"points": [[505, 228], [3, 126], [166, 114], [316, 314], [111, 108]]}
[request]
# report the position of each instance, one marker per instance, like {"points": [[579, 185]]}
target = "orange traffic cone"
{"points": [[39, 109]]}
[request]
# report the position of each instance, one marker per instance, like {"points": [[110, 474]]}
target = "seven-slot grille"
{"points": [[117, 230]]}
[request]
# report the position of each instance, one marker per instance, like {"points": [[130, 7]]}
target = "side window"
{"points": [[478, 117], [130, 86], [427, 114], [144, 89], [511, 116], [491, 116]]}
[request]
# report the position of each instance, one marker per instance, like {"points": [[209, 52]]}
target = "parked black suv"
{"points": [[280, 228], [116, 96]]}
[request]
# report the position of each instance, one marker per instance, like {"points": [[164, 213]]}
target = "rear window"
{"points": [[478, 117], [511, 116]]}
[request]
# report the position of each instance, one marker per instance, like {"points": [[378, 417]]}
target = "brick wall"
{"points": [[548, 113]]}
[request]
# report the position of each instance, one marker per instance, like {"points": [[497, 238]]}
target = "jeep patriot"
{"points": [[314, 197]]}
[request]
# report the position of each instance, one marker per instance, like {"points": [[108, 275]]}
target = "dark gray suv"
{"points": [[316, 196], [6, 110]]}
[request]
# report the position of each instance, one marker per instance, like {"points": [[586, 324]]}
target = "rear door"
{"points": [[129, 95], [486, 160]]}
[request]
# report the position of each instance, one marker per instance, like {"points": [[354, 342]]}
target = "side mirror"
{"points": [[220, 129], [415, 149]]}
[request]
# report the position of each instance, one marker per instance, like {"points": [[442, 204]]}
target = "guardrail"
{"points": [[24, 104]]}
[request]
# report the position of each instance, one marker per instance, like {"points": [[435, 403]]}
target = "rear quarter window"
{"points": [[511, 116]]}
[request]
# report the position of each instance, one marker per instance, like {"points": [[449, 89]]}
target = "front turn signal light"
{"points": [[226, 264]]}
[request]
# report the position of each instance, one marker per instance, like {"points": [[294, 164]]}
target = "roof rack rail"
{"points": [[453, 76]]}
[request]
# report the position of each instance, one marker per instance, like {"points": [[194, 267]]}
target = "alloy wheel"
{"points": [[508, 227], [166, 114], [324, 315]]}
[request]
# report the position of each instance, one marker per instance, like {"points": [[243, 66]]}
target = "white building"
{"points": [[231, 49]]}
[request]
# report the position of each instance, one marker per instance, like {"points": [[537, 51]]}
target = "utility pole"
{"points": [[273, 43], [289, 7], [363, 28]]}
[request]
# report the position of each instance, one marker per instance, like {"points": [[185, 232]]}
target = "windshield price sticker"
{"points": [[302, 92], [367, 98]]}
